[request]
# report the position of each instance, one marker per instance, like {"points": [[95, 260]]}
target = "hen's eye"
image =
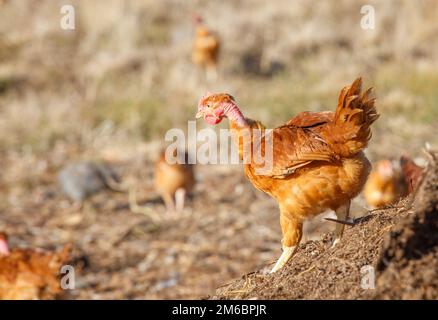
{"points": [[208, 106]]}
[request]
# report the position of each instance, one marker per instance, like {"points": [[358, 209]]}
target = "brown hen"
{"points": [[412, 173], [317, 161], [384, 185], [173, 181], [205, 51], [28, 274]]}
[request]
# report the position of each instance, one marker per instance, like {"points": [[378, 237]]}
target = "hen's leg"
{"points": [[342, 214], [180, 196], [292, 233], [168, 202]]}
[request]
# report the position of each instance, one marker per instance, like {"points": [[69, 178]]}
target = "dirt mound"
{"points": [[397, 247]]}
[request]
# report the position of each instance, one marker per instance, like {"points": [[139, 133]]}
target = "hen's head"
{"points": [[4, 247], [386, 169], [197, 19], [214, 107]]}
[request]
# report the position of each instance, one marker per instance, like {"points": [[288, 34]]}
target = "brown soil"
{"points": [[401, 243], [227, 228]]}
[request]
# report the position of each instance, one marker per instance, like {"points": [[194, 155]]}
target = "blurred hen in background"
{"points": [[412, 173], [174, 181], [205, 52], [385, 185], [30, 274]]}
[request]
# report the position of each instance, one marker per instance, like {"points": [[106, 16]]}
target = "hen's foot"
{"points": [[288, 252]]}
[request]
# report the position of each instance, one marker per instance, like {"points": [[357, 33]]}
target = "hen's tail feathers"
{"points": [[350, 129]]}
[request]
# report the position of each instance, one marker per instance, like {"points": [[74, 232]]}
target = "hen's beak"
{"points": [[198, 115]]}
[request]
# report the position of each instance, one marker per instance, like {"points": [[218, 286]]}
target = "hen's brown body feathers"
{"points": [[205, 50], [316, 187], [27, 274]]}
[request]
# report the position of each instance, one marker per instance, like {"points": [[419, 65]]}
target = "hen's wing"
{"points": [[292, 147], [309, 119]]}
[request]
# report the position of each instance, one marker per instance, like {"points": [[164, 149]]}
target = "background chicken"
{"points": [[205, 50], [27, 274], [385, 185], [317, 161], [412, 173], [174, 181]]}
